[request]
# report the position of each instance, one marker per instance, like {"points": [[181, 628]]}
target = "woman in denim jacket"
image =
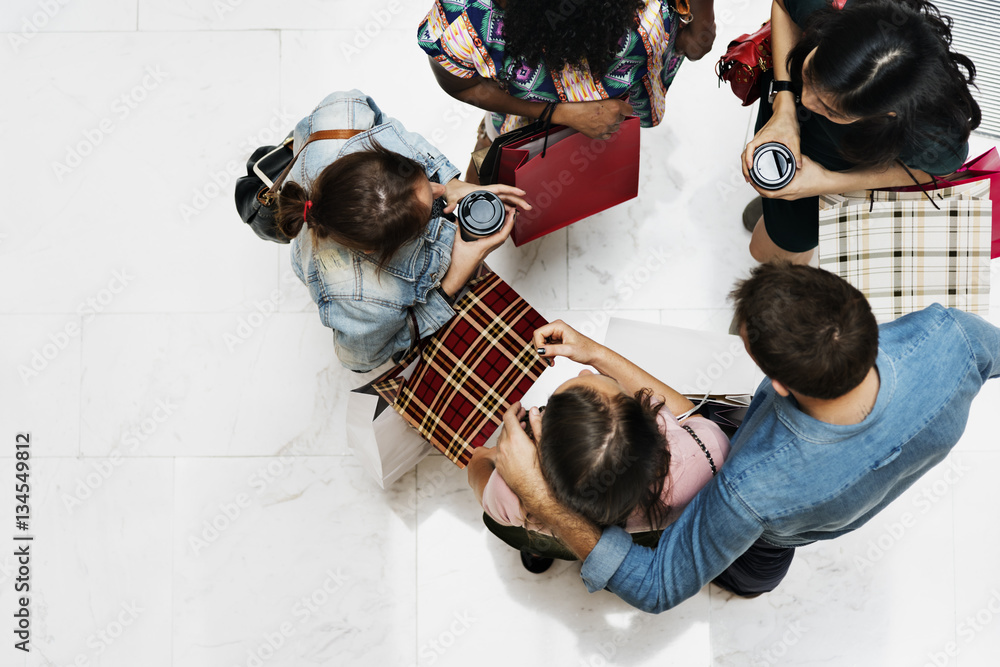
{"points": [[369, 239]]}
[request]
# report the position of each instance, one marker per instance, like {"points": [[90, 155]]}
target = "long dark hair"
{"points": [[568, 33], [365, 201], [890, 63], [605, 457]]}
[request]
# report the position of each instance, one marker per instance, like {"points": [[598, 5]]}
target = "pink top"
{"points": [[689, 471]]}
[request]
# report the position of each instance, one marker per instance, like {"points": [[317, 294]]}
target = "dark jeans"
{"points": [[757, 571], [548, 546]]}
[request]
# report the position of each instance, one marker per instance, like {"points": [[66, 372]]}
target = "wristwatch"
{"points": [[779, 87]]}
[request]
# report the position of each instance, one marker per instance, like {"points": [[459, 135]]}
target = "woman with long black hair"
{"points": [[865, 94]]}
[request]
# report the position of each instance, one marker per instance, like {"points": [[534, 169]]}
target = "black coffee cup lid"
{"points": [[481, 212]]}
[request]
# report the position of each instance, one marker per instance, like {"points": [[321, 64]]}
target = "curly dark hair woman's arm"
{"points": [[594, 119]]}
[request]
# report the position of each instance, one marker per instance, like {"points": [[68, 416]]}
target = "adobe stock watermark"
{"points": [[626, 284], [121, 108], [250, 323], [608, 651], [35, 23], [105, 468], [967, 630], [433, 649], [105, 637], [304, 608], [931, 494], [774, 653], [429, 487], [229, 511], [41, 357], [220, 181], [378, 20]]}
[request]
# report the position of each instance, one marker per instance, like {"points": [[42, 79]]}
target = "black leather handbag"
{"points": [[267, 169]]}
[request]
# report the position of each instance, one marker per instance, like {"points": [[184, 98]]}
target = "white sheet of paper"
{"points": [[690, 361], [534, 147]]}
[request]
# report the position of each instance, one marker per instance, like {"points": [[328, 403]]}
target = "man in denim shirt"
{"points": [[850, 417]]}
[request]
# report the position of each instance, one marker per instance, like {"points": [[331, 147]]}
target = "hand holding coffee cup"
{"points": [[773, 166], [480, 214]]}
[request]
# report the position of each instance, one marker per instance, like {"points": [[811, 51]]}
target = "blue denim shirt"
{"points": [[366, 308], [792, 479]]}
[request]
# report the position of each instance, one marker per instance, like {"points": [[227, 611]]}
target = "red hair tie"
{"points": [[305, 209]]}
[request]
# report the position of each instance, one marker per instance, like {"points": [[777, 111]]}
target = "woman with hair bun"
{"points": [[865, 94], [618, 447], [369, 236]]}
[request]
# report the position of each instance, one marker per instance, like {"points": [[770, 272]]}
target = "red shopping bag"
{"points": [[576, 178], [985, 166]]}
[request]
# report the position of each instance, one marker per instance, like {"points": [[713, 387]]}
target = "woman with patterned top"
{"points": [[618, 447], [600, 62]]}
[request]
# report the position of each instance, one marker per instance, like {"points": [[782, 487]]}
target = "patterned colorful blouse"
{"points": [[466, 38]]}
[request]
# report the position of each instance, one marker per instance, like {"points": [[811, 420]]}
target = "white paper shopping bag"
{"points": [[385, 444], [693, 362]]}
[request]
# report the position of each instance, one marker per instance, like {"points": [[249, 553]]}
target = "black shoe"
{"points": [[752, 213], [535, 564]]}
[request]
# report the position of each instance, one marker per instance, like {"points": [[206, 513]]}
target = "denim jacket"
{"points": [[367, 308], [791, 479]]}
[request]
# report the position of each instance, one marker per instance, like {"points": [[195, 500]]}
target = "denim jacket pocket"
{"points": [[892, 456]]}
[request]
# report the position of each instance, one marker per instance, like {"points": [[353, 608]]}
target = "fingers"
{"points": [[551, 331], [553, 350], [511, 418], [535, 418], [626, 109], [497, 239], [515, 201], [510, 195]]}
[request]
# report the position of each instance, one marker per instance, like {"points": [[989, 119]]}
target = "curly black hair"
{"points": [[570, 32]]}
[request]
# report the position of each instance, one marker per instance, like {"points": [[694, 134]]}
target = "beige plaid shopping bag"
{"points": [[904, 253]]}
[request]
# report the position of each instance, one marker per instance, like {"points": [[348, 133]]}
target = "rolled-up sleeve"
{"points": [[712, 532], [983, 339], [449, 35]]}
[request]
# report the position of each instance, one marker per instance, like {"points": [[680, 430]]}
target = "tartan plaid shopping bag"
{"points": [[904, 254], [471, 370]]}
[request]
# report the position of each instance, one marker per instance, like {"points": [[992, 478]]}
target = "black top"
{"points": [[821, 138]]}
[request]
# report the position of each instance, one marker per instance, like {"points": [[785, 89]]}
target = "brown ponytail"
{"points": [[366, 201], [291, 205]]}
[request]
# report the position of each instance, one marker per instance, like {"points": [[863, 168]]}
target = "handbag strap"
{"points": [[315, 136], [546, 118], [701, 444], [411, 322], [922, 187]]}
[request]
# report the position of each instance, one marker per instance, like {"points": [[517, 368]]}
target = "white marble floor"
{"points": [[193, 499]]}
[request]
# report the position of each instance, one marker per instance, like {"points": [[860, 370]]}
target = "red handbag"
{"points": [[747, 57]]}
